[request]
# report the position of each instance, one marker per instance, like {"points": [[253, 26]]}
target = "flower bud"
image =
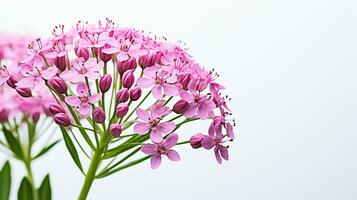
{"points": [[135, 93], [82, 52], [180, 106], [184, 79], [62, 119], [158, 56], [35, 117], [55, 109], [105, 83], [61, 63], [126, 65], [122, 110], [115, 130], [24, 92], [98, 115], [105, 57], [58, 85], [196, 140], [4, 115], [123, 95], [12, 81], [147, 60], [128, 78]]}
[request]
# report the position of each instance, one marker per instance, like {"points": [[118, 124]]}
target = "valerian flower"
{"points": [[161, 81], [151, 122], [156, 150], [82, 69], [84, 100]]}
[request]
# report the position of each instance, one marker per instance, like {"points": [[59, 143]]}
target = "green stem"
{"points": [[30, 178], [93, 167]]}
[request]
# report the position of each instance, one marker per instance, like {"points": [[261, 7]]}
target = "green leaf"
{"points": [[71, 148], [14, 144], [25, 191], [46, 149], [45, 189], [5, 181]]}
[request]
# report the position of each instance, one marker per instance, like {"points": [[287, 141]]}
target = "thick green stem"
{"points": [[30, 178], [93, 167]]}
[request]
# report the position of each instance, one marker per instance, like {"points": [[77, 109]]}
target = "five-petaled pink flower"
{"points": [[125, 49], [199, 104], [215, 139], [163, 82], [151, 122], [163, 148], [83, 100], [34, 77], [81, 69]]}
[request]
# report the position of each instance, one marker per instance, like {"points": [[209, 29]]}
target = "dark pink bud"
{"points": [[24, 92], [55, 109], [35, 117], [158, 57], [105, 83], [196, 140], [62, 119], [180, 106], [184, 79], [82, 53], [128, 78], [135, 93], [98, 115], [105, 57], [115, 130], [4, 115], [122, 110], [12, 81], [126, 65], [58, 85], [123, 95], [147, 60], [61, 63]]}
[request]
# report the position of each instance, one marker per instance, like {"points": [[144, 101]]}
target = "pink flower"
{"points": [[161, 81], [93, 39], [151, 122], [216, 141], [81, 69], [125, 49], [36, 50], [198, 104], [163, 148], [34, 77], [6, 72], [83, 100]]}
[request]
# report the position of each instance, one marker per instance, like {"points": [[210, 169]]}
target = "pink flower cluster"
{"points": [[82, 66], [19, 101]]}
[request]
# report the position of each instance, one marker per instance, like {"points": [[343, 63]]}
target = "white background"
{"points": [[290, 67]]}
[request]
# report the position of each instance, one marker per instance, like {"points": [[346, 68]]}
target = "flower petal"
{"points": [[173, 155], [73, 101], [224, 152], [143, 115], [156, 136], [166, 127], [171, 141], [207, 142], [122, 56], [218, 156], [94, 98], [49, 72], [171, 90], [149, 148], [157, 92], [142, 128], [145, 82], [82, 89], [155, 161], [84, 109]]}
